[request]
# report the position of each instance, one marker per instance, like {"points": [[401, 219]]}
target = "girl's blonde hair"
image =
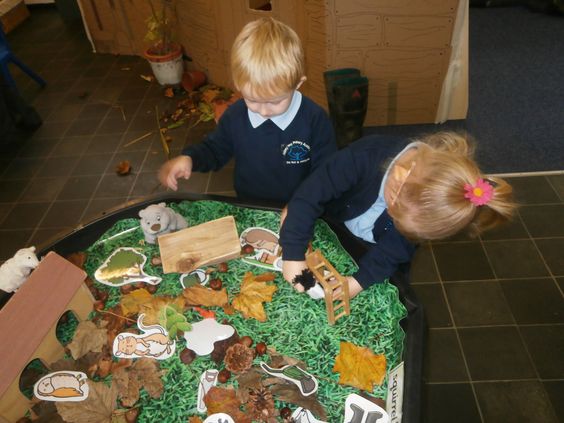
{"points": [[267, 58], [431, 204]]}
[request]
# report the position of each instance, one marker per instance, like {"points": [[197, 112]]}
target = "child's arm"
{"points": [[171, 171]]}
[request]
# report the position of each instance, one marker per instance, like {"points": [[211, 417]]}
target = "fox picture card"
{"points": [[124, 266], [154, 342], [62, 386], [267, 250], [208, 243]]}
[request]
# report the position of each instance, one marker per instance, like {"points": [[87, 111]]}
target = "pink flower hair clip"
{"points": [[479, 194]]}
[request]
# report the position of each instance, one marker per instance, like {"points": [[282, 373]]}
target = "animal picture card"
{"points": [[152, 343], [302, 415], [62, 386], [198, 276], [292, 373], [267, 250], [208, 379], [219, 418], [205, 333], [361, 410], [124, 266]]}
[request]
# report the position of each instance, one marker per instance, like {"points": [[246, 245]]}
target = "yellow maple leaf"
{"points": [[253, 293], [131, 302], [359, 366]]}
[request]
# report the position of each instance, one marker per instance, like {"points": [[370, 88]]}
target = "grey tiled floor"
{"points": [[494, 305]]}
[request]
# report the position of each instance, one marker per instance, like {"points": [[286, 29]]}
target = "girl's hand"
{"points": [[291, 269], [179, 167]]}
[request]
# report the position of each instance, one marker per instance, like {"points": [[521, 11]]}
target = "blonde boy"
{"points": [[276, 135]]}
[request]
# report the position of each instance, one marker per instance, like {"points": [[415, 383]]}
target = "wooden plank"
{"points": [[209, 243]]}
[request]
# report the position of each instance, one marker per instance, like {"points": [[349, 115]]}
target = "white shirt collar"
{"points": [[282, 121]]}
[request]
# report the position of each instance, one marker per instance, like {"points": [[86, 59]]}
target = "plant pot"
{"points": [[192, 80], [167, 68]]}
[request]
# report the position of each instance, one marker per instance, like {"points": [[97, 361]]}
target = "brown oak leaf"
{"points": [[253, 293], [97, 408], [359, 366], [88, 337], [200, 295], [144, 373], [222, 400]]}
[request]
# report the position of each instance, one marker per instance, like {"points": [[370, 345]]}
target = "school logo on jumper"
{"points": [[296, 152]]}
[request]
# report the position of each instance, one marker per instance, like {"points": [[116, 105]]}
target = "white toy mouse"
{"points": [[157, 219], [15, 270]]}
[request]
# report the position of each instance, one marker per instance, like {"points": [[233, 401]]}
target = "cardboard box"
{"points": [[414, 52]]}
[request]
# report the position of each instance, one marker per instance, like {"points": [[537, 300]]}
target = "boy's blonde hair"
{"points": [[431, 204], [267, 58]]}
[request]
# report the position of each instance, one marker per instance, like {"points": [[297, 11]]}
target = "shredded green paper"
{"points": [[296, 326]]}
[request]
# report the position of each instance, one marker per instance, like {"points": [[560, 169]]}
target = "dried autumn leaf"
{"points": [[359, 366], [87, 364], [222, 400], [88, 337], [251, 379], [169, 92], [144, 373], [127, 387], [253, 293], [131, 302], [97, 408], [123, 168], [46, 412], [195, 419], [152, 309], [200, 295], [290, 393]]}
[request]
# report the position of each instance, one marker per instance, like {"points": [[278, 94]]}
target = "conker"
{"points": [[260, 348], [248, 249], [223, 376], [216, 284], [151, 288], [103, 295], [126, 289], [99, 305], [285, 412], [246, 341], [222, 267], [187, 355], [131, 415]]}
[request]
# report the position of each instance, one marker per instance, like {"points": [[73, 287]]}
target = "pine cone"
{"points": [[238, 358], [260, 406]]}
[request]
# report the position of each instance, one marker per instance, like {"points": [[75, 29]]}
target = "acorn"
{"points": [[248, 249], [223, 376], [246, 341], [216, 284], [187, 356], [222, 267], [285, 412], [260, 348]]}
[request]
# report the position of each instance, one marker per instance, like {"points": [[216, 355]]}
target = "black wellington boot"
{"points": [[351, 103]]}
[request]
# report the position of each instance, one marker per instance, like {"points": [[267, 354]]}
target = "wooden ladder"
{"points": [[337, 303]]}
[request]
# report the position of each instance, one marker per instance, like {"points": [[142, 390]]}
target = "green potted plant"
{"points": [[164, 55]]}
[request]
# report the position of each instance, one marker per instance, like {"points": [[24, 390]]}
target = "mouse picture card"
{"points": [[154, 342], [267, 251], [62, 386], [124, 266]]}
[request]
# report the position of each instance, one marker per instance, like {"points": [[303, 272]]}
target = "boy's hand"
{"points": [[179, 167], [291, 269]]}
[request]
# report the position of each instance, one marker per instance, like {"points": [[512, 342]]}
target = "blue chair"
{"points": [[6, 56]]}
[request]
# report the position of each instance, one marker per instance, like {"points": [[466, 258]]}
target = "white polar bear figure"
{"points": [[15, 270], [157, 220]]}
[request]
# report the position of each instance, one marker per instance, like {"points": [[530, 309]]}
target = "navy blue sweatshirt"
{"points": [[344, 187], [270, 163]]}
